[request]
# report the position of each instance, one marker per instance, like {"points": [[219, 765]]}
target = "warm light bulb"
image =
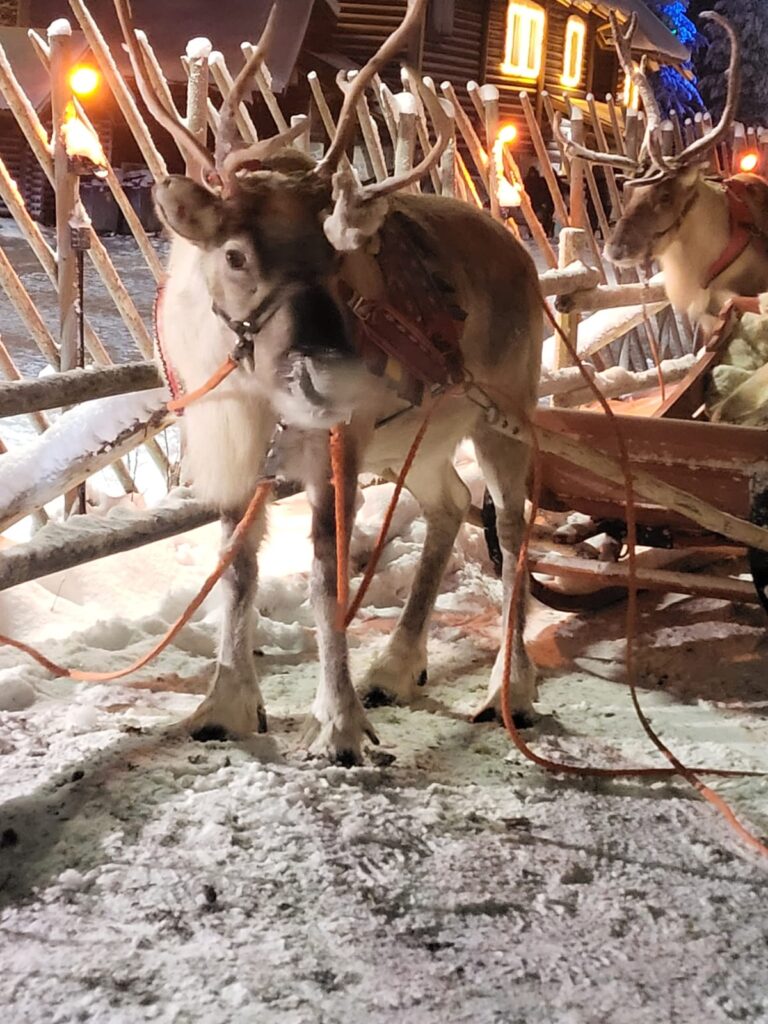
{"points": [[749, 162], [507, 134], [84, 80]]}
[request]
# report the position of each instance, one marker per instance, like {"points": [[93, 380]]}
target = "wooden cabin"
{"points": [[559, 47], [562, 47]]}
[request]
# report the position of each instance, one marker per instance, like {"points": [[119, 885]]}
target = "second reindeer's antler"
{"points": [[651, 165]]}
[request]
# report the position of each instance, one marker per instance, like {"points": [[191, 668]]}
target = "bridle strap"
{"points": [[247, 329]]}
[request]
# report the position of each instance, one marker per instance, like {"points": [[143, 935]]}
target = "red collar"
{"points": [[171, 379], [741, 230]]}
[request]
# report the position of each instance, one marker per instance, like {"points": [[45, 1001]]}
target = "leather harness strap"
{"points": [[412, 338], [742, 230]]}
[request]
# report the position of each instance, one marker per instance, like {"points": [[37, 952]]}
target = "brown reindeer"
{"points": [[706, 233], [267, 251]]}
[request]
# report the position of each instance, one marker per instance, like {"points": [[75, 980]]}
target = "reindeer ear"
{"points": [[356, 217], [690, 174], [189, 210]]}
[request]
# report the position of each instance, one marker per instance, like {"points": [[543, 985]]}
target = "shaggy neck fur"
{"points": [[687, 259]]}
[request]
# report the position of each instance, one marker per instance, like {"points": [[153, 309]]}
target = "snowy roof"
{"points": [[652, 34], [171, 23]]}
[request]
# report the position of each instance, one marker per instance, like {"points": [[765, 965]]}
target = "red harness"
{"points": [[742, 229]]}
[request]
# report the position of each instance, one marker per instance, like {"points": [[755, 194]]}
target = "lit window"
{"points": [[630, 97], [524, 41], [573, 60]]}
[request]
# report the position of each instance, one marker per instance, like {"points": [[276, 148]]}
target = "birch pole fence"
{"points": [[596, 308]]}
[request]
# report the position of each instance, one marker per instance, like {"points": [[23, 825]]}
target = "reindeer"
{"points": [[271, 252], [677, 212]]}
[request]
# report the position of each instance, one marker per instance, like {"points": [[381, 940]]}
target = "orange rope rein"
{"points": [[225, 560], [177, 404], [373, 561]]}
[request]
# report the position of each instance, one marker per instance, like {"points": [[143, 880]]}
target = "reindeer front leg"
{"points": [[234, 705], [338, 722]]}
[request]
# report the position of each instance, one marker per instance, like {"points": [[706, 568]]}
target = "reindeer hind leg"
{"points": [[444, 499], [505, 465]]}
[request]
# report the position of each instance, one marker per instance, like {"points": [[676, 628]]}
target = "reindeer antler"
{"points": [[622, 41], [346, 124], [190, 146], [700, 147], [227, 135], [622, 163]]}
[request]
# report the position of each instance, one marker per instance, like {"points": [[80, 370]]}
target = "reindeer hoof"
{"points": [[377, 698], [340, 741], [210, 734], [218, 718], [491, 713], [393, 679]]}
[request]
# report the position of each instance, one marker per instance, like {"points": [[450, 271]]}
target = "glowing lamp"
{"points": [[84, 80], [507, 134], [749, 162], [508, 193], [573, 58]]}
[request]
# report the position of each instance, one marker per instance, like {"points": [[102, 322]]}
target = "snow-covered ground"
{"points": [[146, 877]]}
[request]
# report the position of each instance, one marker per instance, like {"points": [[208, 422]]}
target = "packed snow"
{"points": [[147, 877]]}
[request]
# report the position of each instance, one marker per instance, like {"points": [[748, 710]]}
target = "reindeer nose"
{"points": [[319, 327], [616, 251]]}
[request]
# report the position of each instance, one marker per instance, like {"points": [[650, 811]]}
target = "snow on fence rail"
{"points": [[477, 167]]}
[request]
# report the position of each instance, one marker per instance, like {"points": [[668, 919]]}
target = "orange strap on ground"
{"points": [[225, 559], [690, 775]]}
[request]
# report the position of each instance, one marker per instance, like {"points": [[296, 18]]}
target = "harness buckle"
{"points": [[243, 353]]}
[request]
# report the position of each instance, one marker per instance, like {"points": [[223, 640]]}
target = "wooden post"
{"points": [[488, 97], [678, 132], [224, 83], [264, 85], [301, 141], [572, 241], [368, 128], [66, 190], [614, 113], [602, 145], [578, 206], [405, 105], [410, 82], [561, 212], [447, 168], [384, 96], [198, 51]]}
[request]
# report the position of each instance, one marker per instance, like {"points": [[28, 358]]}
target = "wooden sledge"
{"points": [[723, 465]]}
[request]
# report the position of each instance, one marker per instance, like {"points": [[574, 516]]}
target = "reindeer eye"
{"points": [[235, 258]]}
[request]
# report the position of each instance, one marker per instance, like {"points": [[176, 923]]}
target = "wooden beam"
{"points": [[64, 545], [74, 386]]}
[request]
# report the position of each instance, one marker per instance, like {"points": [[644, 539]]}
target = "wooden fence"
{"points": [[615, 318]]}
